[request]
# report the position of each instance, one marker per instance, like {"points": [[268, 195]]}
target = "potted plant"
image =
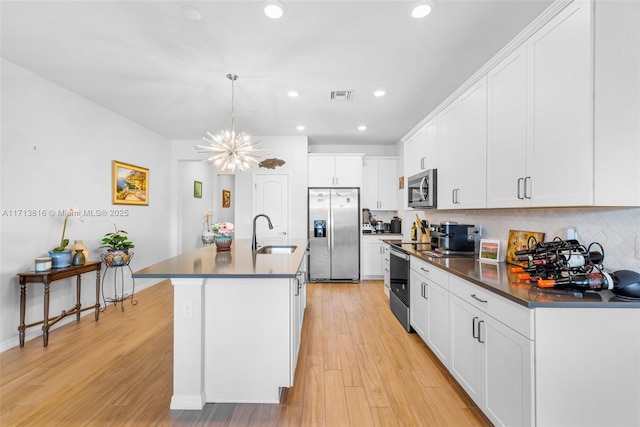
{"points": [[118, 245], [60, 255]]}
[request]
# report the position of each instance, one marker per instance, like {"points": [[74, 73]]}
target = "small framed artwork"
{"points": [[129, 184], [489, 250], [226, 198], [521, 240], [401, 183], [197, 189]]}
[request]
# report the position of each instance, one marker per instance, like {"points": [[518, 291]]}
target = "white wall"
{"points": [[56, 153], [192, 209]]}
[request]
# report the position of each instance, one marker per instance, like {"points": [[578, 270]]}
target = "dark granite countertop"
{"points": [[239, 262], [497, 278]]}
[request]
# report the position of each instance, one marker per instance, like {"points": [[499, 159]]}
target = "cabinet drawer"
{"points": [[430, 271], [513, 315]]}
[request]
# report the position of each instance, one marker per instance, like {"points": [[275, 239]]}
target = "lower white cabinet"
{"points": [[492, 361], [372, 256], [298, 305], [438, 324], [429, 306], [386, 267], [484, 340]]}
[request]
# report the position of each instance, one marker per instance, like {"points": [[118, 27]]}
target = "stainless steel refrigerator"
{"points": [[334, 234]]}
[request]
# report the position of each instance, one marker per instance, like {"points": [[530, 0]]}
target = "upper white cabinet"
{"points": [[421, 150], [462, 147], [379, 188], [617, 103], [540, 115], [507, 132], [330, 170], [560, 152]]}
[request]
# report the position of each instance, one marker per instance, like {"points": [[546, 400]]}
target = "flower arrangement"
{"points": [[222, 228], [71, 212]]}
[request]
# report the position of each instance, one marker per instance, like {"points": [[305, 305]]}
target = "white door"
{"points": [[271, 199]]}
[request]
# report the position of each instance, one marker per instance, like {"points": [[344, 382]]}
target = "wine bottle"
{"points": [[593, 281]]}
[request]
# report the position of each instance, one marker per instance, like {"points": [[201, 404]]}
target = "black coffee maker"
{"points": [[450, 237], [396, 225]]}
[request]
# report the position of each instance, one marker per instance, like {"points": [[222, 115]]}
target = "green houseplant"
{"points": [[118, 245]]}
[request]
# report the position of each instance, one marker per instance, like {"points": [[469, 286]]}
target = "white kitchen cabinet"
{"points": [[462, 147], [372, 256], [335, 170], [299, 302], [493, 362], [421, 150], [379, 183], [419, 306], [438, 324], [539, 116], [560, 97], [386, 267], [429, 308], [507, 132]]}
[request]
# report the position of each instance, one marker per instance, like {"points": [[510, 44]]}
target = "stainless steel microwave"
{"points": [[422, 189]]}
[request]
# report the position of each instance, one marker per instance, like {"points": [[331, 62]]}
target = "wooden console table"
{"points": [[46, 277]]}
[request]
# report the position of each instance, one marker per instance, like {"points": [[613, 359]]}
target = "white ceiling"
{"points": [[145, 61]]}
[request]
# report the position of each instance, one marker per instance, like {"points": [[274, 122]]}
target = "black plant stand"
{"points": [[123, 296]]}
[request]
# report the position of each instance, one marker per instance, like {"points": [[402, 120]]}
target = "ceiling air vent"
{"points": [[345, 95]]}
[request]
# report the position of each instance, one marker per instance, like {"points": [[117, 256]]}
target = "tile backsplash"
{"points": [[616, 229]]}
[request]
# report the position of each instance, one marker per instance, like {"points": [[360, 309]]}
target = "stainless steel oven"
{"points": [[422, 189], [399, 282]]}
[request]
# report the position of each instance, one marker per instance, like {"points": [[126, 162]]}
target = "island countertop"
{"points": [[239, 262]]}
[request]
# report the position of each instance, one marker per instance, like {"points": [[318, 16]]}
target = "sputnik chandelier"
{"points": [[230, 150]]}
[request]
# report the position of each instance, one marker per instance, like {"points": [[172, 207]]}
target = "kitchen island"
{"points": [[237, 322]]}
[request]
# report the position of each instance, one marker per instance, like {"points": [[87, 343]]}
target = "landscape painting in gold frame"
{"points": [[130, 184], [520, 240]]}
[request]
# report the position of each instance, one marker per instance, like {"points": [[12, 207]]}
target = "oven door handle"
{"points": [[400, 255]]}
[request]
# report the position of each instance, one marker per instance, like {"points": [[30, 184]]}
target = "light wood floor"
{"points": [[357, 367]]}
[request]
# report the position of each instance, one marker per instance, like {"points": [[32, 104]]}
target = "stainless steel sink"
{"points": [[277, 249]]}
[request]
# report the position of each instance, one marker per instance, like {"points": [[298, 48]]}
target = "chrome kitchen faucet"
{"points": [[254, 242]]}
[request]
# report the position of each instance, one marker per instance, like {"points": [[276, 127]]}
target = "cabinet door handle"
{"points": [[424, 269], [520, 182], [297, 287], [526, 193], [478, 299], [473, 327], [424, 290], [480, 330]]}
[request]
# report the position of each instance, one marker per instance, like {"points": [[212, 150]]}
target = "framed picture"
{"points": [[489, 250], [130, 184], [520, 240], [197, 189], [226, 198], [401, 183]]}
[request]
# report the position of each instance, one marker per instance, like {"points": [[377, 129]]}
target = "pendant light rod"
{"points": [[233, 79]]}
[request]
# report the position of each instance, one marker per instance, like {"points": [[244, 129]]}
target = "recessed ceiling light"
{"points": [[293, 94], [380, 93], [300, 127], [191, 13], [421, 9], [274, 9], [362, 127]]}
